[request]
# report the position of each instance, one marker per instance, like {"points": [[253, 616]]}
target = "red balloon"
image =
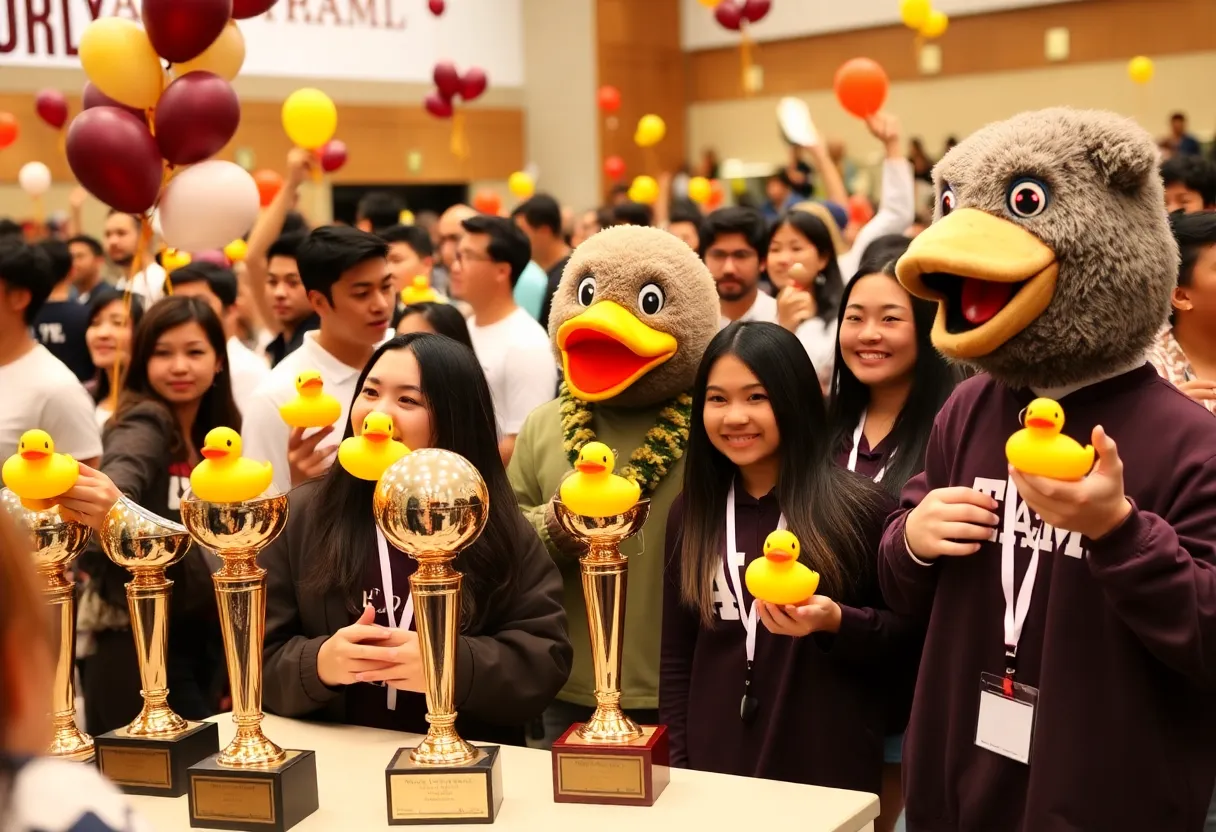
{"points": [[487, 202], [473, 84], [93, 97], [614, 167], [213, 256], [196, 116], [269, 184], [729, 14], [244, 9], [181, 30], [755, 10], [333, 155], [438, 106], [52, 108], [8, 129], [113, 155], [447, 79], [860, 209], [437, 7], [861, 86], [609, 99]]}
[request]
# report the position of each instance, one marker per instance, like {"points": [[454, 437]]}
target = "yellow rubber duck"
{"points": [[420, 291], [593, 490], [36, 473], [1040, 448], [368, 455], [778, 577], [223, 476], [313, 407]]}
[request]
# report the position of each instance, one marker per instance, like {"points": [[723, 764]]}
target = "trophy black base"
{"points": [[419, 794], [155, 767], [629, 774], [254, 800]]}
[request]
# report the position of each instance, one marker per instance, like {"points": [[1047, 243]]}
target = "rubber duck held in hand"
{"points": [[593, 490], [368, 455], [36, 473], [778, 577], [223, 476], [1040, 448], [312, 407]]}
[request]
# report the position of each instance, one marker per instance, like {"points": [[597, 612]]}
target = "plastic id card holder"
{"points": [[1006, 717]]}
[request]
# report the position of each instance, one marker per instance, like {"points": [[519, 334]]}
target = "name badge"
{"points": [[1006, 719]]}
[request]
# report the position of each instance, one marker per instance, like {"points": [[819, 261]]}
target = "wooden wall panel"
{"points": [[1100, 30]]}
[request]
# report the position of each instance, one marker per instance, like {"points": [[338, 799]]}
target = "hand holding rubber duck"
{"points": [[1039, 448], [312, 407], [37, 474], [784, 590], [89, 500]]}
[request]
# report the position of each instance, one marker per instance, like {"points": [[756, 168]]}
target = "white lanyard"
{"points": [[407, 614], [1015, 613], [748, 616], [857, 432]]}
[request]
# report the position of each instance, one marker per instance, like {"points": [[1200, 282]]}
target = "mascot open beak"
{"points": [[990, 277], [606, 349]]}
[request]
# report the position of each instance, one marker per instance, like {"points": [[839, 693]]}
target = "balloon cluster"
{"points": [[921, 17], [733, 14], [449, 84]]}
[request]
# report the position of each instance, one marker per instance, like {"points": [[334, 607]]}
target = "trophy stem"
{"points": [[240, 591], [148, 603], [436, 590], [69, 741], [604, 572]]}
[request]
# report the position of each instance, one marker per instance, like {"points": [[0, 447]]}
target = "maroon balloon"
{"points": [[447, 79], [52, 108], [115, 158], [729, 14], [473, 84], [93, 97], [437, 7], [755, 10], [438, 106], [333, 155], [195, 117], [244, 9], [181, 30]]}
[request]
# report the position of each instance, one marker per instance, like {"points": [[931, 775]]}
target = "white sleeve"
{"points": [[531, 381], [68, 415], [896, 211], [818, 338], [264, 436]]}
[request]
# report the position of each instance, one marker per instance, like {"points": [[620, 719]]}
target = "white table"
{"points": [[350, 773]]}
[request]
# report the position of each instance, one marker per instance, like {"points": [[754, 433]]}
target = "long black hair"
{"points": [[828, 286], [444, 318], [933, 379], [826, 506], [102, 297], [216, 408], [343, 531]]}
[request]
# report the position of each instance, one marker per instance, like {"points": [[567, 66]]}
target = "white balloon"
{"points": [[156, 227], [208, 205], [34, 178]]}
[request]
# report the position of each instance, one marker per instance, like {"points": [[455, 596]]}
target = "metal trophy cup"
{"points": [[152, 754], [252, 784], [609, 758], [55, 543], [430, 504]]}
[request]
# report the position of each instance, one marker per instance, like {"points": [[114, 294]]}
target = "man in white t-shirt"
{"points": [[513, 349], [733, 244], [345, 272], [36, 389]]}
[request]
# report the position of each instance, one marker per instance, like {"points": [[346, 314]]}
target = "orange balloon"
{"points": [[8, 129], [861, 86], [487, 202], [269, 184], [716, 194]]}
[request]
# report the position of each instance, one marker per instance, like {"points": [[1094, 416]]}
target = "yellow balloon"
{"points": [[914, 13], [1140, 69], [236, 251], [310, 118], [935, 24], [406, 217], [644, 190], [224, 57], [699, 190], [119, 59], [521, 185], [709, 4], [738, 186], [171, 260], [651, 130]]}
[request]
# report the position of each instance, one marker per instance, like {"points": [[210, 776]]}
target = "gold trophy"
{"points": [[56, 543], [152, 754], [430, 504], [252, 784], [609, 759]]}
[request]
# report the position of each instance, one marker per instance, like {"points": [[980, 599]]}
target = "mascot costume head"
{"points": [[1050, 257]]}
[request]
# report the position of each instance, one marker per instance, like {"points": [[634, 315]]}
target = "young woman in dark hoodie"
{"points": [[792, 692]]}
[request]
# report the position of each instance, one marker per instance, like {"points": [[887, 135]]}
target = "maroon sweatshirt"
{"points": [[1120, 638], [822, 701]]}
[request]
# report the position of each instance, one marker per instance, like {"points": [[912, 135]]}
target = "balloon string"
{"points": [[63, 143], [745, 60], [460, 142], [318, 173], [39, 212]]}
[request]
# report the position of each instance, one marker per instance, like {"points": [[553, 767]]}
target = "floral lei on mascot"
{"points": [[631, 318]]}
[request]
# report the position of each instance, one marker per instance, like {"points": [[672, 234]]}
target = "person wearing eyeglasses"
{"points": [[731, 242]]}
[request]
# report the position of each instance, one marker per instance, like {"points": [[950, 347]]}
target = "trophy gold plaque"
{"points": [[610, 758], [252, 784], [430, 504], [55, 543], [152, 754]]}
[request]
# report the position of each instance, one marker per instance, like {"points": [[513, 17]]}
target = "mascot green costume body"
{"points": [[631, 319], [1067, 676]]}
